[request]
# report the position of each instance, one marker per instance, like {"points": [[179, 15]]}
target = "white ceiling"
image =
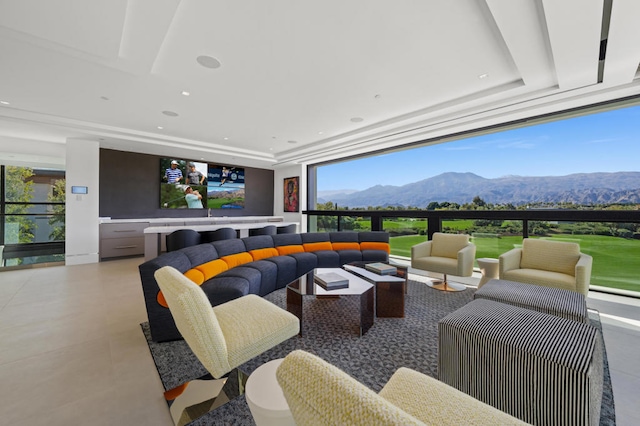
{"points": [[297, 70]]}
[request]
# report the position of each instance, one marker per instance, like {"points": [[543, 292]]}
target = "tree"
{"points": [[56, 222], [478, 201], [19, 189]]}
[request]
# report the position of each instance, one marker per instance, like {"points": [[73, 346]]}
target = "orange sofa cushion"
{"points": [[238, 259], [323, 245], [195, 275], [372, 245], [263, 253], [285, 250], [213, 268], [345, 246]]}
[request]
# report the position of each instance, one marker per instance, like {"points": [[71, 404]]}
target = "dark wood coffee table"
{"points": [[358, 287], [390, 289]]}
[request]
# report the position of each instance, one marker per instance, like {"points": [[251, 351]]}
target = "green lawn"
{"points": [[616, 261]]}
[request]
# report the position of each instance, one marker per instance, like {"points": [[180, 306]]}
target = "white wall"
{"points": [[82, 225], [278, 203]]}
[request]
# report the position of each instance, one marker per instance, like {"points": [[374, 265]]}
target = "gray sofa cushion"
{"points": [[327, 258], [258, 242], [343, 237], [314, 237], [268, 273], [220, 290], [306, 262], [287, 240], [287, 269], [252, 275], [348, 256], [202, 253], [229, 247]]}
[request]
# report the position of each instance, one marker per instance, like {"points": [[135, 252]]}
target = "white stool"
{"points": [[489, 268], [265, 398]]}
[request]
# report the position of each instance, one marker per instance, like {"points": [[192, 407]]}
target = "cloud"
{"points": [[605, 140], [519, 144], [461, 148]]}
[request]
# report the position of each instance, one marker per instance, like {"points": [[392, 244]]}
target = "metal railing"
{"points": [[615, 266]]}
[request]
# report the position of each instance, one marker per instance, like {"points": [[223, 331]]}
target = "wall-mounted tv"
{"points": [[195, 185]]}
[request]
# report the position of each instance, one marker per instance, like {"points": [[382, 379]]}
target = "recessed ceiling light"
{"points": [[292, 141], [208, 61], [185, 93], [320, 133], [170, 113], [202, 158], [4, 102], [160, 127], [104, 98], [226, 139], [357, 119], [485, 75]]}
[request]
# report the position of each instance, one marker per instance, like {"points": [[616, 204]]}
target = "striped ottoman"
{"points": [[540, 368], [555, 301]]}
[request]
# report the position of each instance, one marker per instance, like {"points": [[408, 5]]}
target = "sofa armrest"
{"points": [[509, 260], [583, 273], [319, 393], [434, 402], [466, 257], [421, 250]]}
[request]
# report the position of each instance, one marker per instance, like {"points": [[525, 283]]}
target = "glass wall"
{"points": [[581, 160], [32, 215]]}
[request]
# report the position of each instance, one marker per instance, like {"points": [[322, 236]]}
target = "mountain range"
{"points": [[579, 188]]}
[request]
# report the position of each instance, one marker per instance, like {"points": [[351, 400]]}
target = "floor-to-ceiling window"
{"points": [[32, 215], [577, 161]]}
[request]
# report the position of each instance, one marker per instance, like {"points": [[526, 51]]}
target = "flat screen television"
{"points": [[194, 185]]}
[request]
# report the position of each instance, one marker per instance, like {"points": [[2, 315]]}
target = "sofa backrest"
{"points": [[448, 245], [555, 256], [202, 253]]}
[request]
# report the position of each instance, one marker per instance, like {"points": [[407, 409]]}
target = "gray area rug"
{"points": [[330, 330]]}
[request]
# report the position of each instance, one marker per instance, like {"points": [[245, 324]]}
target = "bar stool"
{"points": [[267, 230]]}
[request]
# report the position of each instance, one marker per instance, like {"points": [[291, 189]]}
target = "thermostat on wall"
{"points": [[79, 190]]}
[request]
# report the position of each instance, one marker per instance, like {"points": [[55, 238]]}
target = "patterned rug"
{"points": [[330, 330]]}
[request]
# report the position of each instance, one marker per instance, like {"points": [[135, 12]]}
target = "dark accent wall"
{"points": [[130, 189]]}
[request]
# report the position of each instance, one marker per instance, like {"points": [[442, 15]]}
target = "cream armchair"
{"points": [[446, 254], [222, 337], [319, 393], [548, 263]]}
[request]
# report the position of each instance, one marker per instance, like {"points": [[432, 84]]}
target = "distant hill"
{"points": [[324, 196], [580, 188]]}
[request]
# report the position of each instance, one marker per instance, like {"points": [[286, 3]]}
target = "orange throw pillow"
{"points": [[285, 250], [323, 245], [372, 245], [345, 246]]}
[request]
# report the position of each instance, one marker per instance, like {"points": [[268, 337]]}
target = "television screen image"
{"points": [[183, 184], [225, 187]]}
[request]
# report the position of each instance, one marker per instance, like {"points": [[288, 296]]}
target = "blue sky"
{"points": [[603, 142]]}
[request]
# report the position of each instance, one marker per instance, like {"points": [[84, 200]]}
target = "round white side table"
{"points": [[489, 268], [265, 398]]}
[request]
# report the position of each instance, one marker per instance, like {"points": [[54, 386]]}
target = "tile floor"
{"points": [[72, 353]]}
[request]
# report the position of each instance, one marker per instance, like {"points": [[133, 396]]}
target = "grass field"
{"points": [[616, 261], [217, 203]]}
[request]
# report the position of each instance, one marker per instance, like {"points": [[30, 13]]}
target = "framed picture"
{"points": [[291, 192]]}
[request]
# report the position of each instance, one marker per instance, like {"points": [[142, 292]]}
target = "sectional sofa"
{"points": [[229, 269]]}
